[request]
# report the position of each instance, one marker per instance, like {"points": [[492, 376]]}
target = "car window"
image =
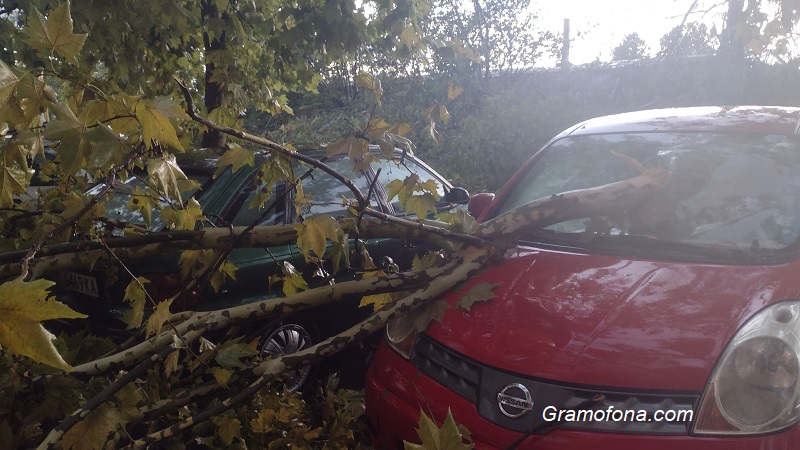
{"points": [[116, 201], [251, 212], [325, 192], [726, 191], [394, 170]]}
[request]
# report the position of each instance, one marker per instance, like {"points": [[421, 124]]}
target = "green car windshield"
{"points": [[735, 192]]}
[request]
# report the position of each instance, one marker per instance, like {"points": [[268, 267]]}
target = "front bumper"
{"points": [[396, 392]]}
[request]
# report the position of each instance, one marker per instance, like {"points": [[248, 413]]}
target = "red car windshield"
{"points": [[735, 193]]}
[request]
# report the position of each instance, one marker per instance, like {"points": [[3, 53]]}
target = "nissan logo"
{"points": [[514, 400]]}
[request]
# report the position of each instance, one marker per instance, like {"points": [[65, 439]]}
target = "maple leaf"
{"points": [[230, 353], [313, 233], [453, 91], [54, 34], [421, 204], [262, 423], [226, 270], [144, 204], [23, 306], [136, 295], [376, 300], [94, 430], [293, 281], [74, 147], [368, 81], [228, 429], [430, 259], [14, 178], [448, 437], [107, 148], [171, 363], [154, 115], [165, 173], [222, 376], [481, 292], [425, 315], [355, 147], [236, 157], [156, 321], [185, 218]]}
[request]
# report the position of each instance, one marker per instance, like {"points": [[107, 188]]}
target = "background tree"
{"points": [[632, 48], [687, 41]]}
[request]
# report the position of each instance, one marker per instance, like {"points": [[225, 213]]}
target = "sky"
{"points": [[597, 26]]}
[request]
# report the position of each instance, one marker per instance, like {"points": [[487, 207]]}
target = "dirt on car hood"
{"points": [[609, 321]]}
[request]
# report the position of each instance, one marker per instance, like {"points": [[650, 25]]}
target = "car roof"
{"points": [[740, 119]]}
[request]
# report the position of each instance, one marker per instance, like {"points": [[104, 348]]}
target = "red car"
{"points": [[671, 324]]}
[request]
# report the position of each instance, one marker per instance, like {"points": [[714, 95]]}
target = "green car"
{"points": [[225, 200]]}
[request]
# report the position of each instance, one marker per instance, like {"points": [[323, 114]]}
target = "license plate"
{"points": [[77, 282]]}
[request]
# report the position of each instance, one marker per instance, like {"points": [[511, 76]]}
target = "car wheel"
{"points": [[286, 339]]}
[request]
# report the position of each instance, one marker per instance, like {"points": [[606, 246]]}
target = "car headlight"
{"points": [[755, 387], [401, 334]]}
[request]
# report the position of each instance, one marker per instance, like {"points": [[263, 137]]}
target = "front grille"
{"points": [[480, 384], [447, 367]]}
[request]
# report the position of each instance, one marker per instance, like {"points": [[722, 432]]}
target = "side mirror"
{"points": [[479, 202], [457, 195]]}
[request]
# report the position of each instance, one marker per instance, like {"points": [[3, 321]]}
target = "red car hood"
{"points": [[609, 321]]}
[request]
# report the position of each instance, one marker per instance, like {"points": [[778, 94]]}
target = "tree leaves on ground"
{"points": [[23, 306]]}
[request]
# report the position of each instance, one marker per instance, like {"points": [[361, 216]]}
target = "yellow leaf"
{"points": [[368, 81], [313, 233], [135, 294], [221, 375], [185, 218], [94, 430], [229, 428], [144, 204], [454, 91], [165, 173], [55, 33], [230, 353], [448, 437], [293, 281], [262, 423], [421, 205], [376, 300], [352, 146], [156, 321], [23, 305], [226, 270], [171, 363], [156, 125], [14, 178], [236, 157]]}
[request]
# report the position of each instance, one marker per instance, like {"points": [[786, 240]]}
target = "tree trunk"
{"points": [[214, 93]]}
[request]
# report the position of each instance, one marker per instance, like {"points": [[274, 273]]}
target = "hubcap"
{"points": [[287, 339]]}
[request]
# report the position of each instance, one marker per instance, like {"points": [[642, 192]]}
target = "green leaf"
{"points": [[107, 148], [156, 126], [23, 306], [313, 233], [481, 292], [236, 157], [54, 34], [230, 353], [136, 295], [74, 146]]}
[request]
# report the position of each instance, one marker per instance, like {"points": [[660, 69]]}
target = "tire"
{"points": [[287, 338]]}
